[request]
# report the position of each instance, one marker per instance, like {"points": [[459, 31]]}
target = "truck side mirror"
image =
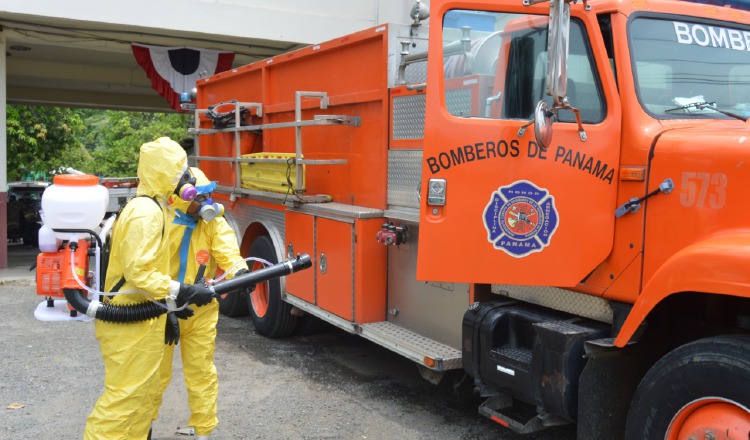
{"points": [[543, 125], [557, 50]]}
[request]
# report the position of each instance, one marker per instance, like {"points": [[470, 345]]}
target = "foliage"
{"points": [[115, 138], [104, 143], [41, 139]]}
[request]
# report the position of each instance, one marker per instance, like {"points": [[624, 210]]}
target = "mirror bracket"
{"points": [[581, 131], [542, 122]]}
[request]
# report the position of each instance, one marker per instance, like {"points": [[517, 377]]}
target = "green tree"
{"points": [[101, 142], [115, 137], [42, 139]]}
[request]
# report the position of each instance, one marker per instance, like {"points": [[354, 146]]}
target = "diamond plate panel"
{"points": [[522, 355], [417, 73], [340, 209], [564, 327], [404, 176], [410, 344], [458, 102], [243, 215], [408, 117], [563, 300]]}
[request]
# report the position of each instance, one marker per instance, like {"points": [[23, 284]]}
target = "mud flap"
{"points": [[606, 387]]}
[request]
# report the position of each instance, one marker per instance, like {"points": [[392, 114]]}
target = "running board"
{"points": [[424, 351], [316, 311], [427, 352]]}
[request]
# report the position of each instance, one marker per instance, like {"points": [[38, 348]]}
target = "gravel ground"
{"points": [[330, 385]]}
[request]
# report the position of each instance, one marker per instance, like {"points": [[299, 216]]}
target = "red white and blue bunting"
{"points": [[174, 70]]}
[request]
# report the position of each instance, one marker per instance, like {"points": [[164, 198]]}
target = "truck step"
{"points": [[532, 353], [515, 357], [520, 418], [425, 351]]}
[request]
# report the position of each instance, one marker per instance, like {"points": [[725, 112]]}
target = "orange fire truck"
{"points": [[548, 195]]}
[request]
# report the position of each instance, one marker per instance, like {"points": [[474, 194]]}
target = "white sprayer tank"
{"points": [[74, 201]]}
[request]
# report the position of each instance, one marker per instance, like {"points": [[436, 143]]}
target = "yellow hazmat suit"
{"points": [[133, 352], [193, 242]]}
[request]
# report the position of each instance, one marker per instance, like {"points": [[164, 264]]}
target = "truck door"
{"points": [[496, 207]]}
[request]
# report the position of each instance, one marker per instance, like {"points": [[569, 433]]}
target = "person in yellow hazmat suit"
{"points": [[199, 234], [138, 266]]}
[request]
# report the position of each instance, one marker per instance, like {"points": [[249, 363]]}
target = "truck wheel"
{"points": [[233, 304], [699, 390], [271, 316]]}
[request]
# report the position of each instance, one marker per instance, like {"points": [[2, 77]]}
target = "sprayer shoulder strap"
{"points": [[162, 214], [120, 283]]}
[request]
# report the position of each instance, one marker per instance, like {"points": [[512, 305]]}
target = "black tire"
{"points": [[234, 304], [271, 316], [711, 369]]}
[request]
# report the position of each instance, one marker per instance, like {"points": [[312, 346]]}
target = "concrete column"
{"points": [[3, 158]]}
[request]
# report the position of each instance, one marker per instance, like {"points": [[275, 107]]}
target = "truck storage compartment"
{"points": [[532, 353], [348, 279]]}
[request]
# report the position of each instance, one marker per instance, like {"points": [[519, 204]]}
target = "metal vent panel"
{"points": [[563, 300], [244, 214], [416, 73], [408, 117], [458, 102], [404, 176]]}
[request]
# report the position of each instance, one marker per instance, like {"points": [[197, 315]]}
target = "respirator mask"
{"points": [[208, 209], [186, 187]]}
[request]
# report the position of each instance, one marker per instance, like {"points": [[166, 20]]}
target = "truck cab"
{"points": [[608, 161]]}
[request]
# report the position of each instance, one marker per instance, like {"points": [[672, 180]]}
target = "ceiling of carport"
{"points": [[84, 64]]}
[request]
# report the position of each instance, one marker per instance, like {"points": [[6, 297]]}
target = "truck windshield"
{"points": [[495, 66], [684, 68]]}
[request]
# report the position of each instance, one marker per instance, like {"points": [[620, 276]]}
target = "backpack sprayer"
{"points": [[72, 208]]}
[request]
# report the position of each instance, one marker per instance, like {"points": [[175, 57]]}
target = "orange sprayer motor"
{"points": [[54, 273]]}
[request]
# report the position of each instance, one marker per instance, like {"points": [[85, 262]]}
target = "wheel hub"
{"points": [[710, 419], [259, 297]]}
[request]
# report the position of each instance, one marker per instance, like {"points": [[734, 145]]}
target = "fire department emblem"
{"points": [[520, 218]]}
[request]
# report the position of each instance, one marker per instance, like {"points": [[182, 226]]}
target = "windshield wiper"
{"points": [[705, 105]]}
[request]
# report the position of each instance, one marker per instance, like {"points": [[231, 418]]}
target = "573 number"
{"points": [[703, 189]]}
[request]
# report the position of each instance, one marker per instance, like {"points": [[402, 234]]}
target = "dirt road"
{"points": [[329, 385]]}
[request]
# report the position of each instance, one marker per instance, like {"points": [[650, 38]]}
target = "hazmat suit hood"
{"points": [[202, 185], [161, 164]]}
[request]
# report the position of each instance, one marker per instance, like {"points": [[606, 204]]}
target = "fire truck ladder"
{"points": [[299, 161]]}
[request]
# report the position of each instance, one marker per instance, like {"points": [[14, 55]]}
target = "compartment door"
{"points": [[334, 245], [299, 236]]}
